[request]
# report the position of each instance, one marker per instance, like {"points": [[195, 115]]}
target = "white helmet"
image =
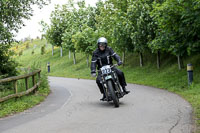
{"points": [[102, 40]]}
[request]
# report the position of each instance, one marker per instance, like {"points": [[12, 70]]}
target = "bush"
{"points": [[27, 45], [44, 81], [8, 68], [21, 53], [44, 86], [42, 50]]}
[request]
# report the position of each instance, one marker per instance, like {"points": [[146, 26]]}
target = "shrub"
{"points": [[27, 45], [21, 53], [42, 50]]}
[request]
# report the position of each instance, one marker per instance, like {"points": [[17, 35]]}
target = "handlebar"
{"points": [[114, 65], [110, 67]]}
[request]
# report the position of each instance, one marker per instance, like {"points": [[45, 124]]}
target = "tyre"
{"points": [[113, 94]]}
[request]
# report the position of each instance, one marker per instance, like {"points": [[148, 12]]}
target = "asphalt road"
{"points": [[74, 107]]}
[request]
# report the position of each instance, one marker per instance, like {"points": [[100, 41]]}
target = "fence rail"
{"points": [[28, 90]]}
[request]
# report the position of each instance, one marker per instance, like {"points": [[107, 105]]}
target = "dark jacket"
{"points": [[102, 58]]}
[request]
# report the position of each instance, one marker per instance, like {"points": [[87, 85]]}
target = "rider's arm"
{"points": [[115, 56], [93, 63]]}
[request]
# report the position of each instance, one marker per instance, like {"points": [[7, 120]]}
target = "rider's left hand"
{"points": [[93, 74]]}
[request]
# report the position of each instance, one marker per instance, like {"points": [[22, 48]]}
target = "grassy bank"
{"points": [[16, 105], [168, 77]]}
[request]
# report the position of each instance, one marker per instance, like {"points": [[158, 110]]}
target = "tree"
{"points": [[142, 25], [130, 25], [57, 27], [85, 41], [12, 14], [78, 21], [178, 27], [121, 29], [74, 19]]}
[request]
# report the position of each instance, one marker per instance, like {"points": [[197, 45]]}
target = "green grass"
{"points": [[16, 105], [8, 88], [20, 104], [168, 77]]}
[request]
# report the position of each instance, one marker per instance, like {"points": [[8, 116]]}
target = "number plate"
{"points": [[108, 77], [106, 69]]}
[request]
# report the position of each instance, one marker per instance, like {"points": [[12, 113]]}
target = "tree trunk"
{"points": [[52, 49], [123, 58], [141, 60], [158, 59], [180, 62], [69, 54], [46, 44], [87, 60], [74, 57], [61, 52]]}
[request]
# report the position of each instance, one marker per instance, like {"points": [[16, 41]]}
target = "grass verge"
{"points": [[16, 105]]}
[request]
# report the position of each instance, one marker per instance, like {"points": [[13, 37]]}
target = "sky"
{"points": [[32, 27]]}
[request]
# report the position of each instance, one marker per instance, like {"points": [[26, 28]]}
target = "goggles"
{"points": [[102, 44]]}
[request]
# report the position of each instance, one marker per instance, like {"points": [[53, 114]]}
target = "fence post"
{"points": [[39, 75], [14, 80], [33, 81], [38, 79], [26, 83], [15, 87]]}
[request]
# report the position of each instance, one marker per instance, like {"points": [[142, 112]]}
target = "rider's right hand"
{"points": [[119, 63], [93, 74]]}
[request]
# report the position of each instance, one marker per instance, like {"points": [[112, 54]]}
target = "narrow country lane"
{"points": [[74, 107]]}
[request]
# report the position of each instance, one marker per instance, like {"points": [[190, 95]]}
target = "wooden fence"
{"points": [[28, 90]]}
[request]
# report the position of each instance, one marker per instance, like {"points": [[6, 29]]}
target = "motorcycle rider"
{"points": [[103, 56]]}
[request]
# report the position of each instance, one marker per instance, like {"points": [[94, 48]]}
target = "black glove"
{"points": [[93, 74], [119, 63]]}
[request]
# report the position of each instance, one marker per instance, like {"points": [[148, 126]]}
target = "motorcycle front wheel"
{"points": [[113, 94]]}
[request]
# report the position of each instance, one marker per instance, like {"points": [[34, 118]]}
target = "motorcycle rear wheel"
{"points": [[113, 94]]}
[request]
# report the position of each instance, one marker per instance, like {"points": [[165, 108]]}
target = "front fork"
{"points": [[105, 88], [116, 85]]}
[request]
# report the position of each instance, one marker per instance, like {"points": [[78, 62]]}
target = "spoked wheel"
{"points": [[113, 94]]}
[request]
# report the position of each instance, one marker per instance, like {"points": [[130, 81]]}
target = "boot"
{"points": [[124, 90], [103, 98]]}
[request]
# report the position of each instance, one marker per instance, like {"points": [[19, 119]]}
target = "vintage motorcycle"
{"points": [[111, 85]]}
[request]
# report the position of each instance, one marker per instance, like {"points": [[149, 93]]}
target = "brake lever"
{"points": [[114, 65]]}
